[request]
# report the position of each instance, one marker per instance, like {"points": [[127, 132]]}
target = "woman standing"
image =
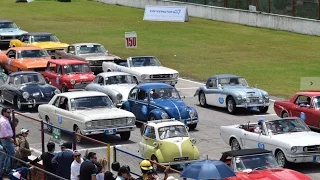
{"points": [[104, 163]]}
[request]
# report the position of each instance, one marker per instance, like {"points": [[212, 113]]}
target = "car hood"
{"points": [[299, 138], [51, 45], [11, 32], [245, 91], [123, 89], [98, 57], [34, 62], [103, 113], [273, 174], [41, 88], [175, 108], [154, 70], [83, 77]]}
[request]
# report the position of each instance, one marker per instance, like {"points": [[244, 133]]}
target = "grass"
{"points": [[273, 59]]}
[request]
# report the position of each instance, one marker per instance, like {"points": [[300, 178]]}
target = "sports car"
{"points": [[9, 31], [26, 89], [232, 92], [258, 164], [289, 139], [116, 85]]}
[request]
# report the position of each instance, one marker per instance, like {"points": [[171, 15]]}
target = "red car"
{"points": [[68, 74], [258, 164], [306, 102]]}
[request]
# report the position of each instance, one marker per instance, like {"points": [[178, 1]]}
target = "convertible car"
{"points": [[258, 164], [232, 92], [289, 139]]}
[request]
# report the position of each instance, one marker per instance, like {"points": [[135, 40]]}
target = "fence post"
{"points": [[269, 6], [74, 142], [108, 156], [42, 136], [293, 8], [318, 9], [114, 154], [13, 127]]}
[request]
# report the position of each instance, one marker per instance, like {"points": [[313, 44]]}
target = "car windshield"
{"points": [[90, 102], [173, 131], [255, 162], [120, 79], [6, 25], [233, 82], [29, 79], [45, 38], [164, 93], [282, 126], [89, 49], [32, 54], [76, 68], [144, 61]]}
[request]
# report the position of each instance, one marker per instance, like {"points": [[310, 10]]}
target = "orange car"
{"points": [[24, 59]]}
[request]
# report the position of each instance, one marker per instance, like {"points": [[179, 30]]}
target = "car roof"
{"points": [[26, 48], [37, 33], [108, 74], [23, 73], [67, 61], [165, 122], [242, 152], [218, 76], [81, 44], [140, 56], [148, 86], [77, 94], [309, 93], [5, 20]]}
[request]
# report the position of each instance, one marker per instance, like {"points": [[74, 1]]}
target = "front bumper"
{"points": [[5, 42], [102, 131], [32, 102], [303, 158], [188, 121], [167, 81], [248, 105]]}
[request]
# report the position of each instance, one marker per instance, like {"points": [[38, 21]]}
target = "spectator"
{"points": [[123, 173], [24, 148], [104, 163], [148, 173], [62, 161], [108, 176], [46, 160], [75, 166], [88, 169], [7, 142]]}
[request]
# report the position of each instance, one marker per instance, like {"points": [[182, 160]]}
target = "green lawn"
{"points": [[273, 59]]}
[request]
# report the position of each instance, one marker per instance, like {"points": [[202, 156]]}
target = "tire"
{"points": [[49, 128], [284, 114], [151, 117], [77, 130], [125, 135], [2, 101], [235, 144], [64, 89], [202, 99], [263, 109], [281, 158], [155, 159], [231, 105], [192, 126], [18, 104]]}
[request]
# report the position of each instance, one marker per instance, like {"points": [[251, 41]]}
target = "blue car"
{"points": [[154, 101]]}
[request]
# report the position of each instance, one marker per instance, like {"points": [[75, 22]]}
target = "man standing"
{"points": [[88, 169], [75, 166], [123, 173], [63, 160]]}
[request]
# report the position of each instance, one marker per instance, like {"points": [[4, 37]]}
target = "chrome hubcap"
{"points": [[48, 122], [78, 137], [280, 159], [235, 145], [19, 104], [202, 99], [285, 115], [230, 106]]}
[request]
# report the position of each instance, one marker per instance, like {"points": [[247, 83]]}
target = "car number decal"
{"points": [[83, 77], [260, 145], [60, 119], [144, 109], [221, 100]]}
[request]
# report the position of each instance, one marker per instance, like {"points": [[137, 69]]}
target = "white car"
{"points": [[290, 139], [87, 113], [144, 69], [116, 85]]}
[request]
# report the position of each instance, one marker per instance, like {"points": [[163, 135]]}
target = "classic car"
{"points": [[68, 75], [232, 92], [258, 164], [301, 103], [289, 139], [153, 101], [87, 113], [24, 59], [145, 69], [44, 40], [9, 31], [167, 142], [116, 85], [26, 89], [93, 53]]}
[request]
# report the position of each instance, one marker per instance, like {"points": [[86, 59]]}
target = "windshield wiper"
{"points": [[83, 108]]}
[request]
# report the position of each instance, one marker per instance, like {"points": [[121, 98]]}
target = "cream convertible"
{"points": [[88, 113], [290, 139]]}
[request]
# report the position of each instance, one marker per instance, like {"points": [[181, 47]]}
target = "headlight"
{"points": [[72, 81], [130, 120], [119, 96], [155, 144], [193, 140], [305, 149], [239, 97], [266, 96], [88, 124], [175, 75], [294, 149], [57, 91], [143, 76], [192, 113], [25, 95], [164, 115]]}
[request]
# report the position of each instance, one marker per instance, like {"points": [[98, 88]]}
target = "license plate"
{"points": [[316, 159], [254, 108], [110, 131]]}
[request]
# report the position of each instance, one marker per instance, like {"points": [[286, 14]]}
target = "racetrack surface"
{"points": [[207, 132]]}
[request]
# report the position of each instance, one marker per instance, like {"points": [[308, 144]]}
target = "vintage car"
{"points": [[24, 59], [153, 101], [301, 103], [87, 113], [232, 92], [9, 31], [116, 85], [68, 74], [93, 53], [289, 139], [26, 89], [167, 142], [258, 164], [44, 40], [145, 69]]}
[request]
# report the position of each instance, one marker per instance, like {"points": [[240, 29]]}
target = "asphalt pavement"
{"points": [[207, 132]]}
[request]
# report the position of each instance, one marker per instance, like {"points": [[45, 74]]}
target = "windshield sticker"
{"points": [[78, 48], [72, 100], [144, 110], [151, 92], [221, 100]]}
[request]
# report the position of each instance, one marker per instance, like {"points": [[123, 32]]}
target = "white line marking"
{"points": [[191, 81], [188, 88], [266, 115]]}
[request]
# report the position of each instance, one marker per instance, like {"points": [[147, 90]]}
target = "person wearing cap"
{"points": [[62, 161], [75, 166], [24, 148], [259, 128], [148, 173]]}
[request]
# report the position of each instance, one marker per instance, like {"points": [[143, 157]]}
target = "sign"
{"points": [[260, 145], [56, 134], [110, 131], [131, 39], [166, 13]]}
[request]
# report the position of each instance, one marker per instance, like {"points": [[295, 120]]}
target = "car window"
{"points": [[59, 70], [24, 39], [11, 80], [71, 50], [301, 99], [64, 104], [212, 83], [95, 80], [142, 95], [51, 67], [56, 102], [11, 54], [133, 94], [100, 80], [150, 132]]}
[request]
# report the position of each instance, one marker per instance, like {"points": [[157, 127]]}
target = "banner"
{"points": [[166, 13]]}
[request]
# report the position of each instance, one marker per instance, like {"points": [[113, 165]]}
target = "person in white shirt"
{"points": [[75, 166], [259, 128]]}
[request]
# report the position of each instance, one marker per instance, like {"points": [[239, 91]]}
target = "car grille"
{"points": [[315, 148], [103, 123], [161, 76], [180, 158], [7, 37], [254, 100]]}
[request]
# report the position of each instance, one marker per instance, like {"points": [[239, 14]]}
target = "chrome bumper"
{"points": [[33, 102], [247, 105], [167, 81], [102, 131], [302, 158]]}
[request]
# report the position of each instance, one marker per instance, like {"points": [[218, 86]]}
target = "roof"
{"points": [[310, 93], [148, 86], [77, 94], [23, 73], [37, 33], [26, 48], [67, 61], [164, 122], [81, 44], [108, 74], [218, 76], [242, 152], [4, 20]]}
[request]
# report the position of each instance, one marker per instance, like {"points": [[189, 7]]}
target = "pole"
{"points": [[318, 9], [13, 127], [293, 8], [269, 6], [42, 137], [74, 137], [108, 156]]}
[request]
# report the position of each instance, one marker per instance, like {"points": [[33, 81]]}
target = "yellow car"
{"points": [[44, 40], [168, 142]]}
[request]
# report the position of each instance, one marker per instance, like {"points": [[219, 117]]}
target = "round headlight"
{"points": [[175, 75], [88, 124], [192, 113], [193, 140], [130, 120], [294, 149], [119, 96], [57, 91], [305, 149], [266, 96], [239, 97], [25, 95], [155, 144], [72, 81], [164, 115]]}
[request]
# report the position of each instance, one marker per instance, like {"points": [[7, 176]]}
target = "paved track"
{"points": [[207, 132]]}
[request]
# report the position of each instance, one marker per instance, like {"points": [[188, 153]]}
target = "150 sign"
{"points": [[131, 40]]}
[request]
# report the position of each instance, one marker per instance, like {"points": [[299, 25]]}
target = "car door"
{"points": [[62, 114], [57, 77], [132, 97], [252, 140], [49, 73], [140, 107], [149, 137], [9, 92], [303, 104], [213, 94], [11, 57]]}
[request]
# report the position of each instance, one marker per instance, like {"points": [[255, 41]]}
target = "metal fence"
{"points": [[299, 8]]}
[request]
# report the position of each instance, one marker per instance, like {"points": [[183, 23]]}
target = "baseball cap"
{"points": [[261, 120], [23, 130], [146, 165]]}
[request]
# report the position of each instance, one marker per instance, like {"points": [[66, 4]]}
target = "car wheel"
{"points": [[49, 128], [235, 144], [281, 158], [264, 109], [125, 135], [78, 131], [202, 99], [231, 105], [192, 126], [284, 114], [151, 117], [64, 88], [19, 105], [154, 159]]}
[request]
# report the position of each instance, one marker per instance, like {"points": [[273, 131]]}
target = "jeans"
{"points": [[8, 146], [2, 157]]}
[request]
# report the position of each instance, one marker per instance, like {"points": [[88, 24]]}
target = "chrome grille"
{"points": [[315, 148], [109, 122], [254, 99], [161, 76]]}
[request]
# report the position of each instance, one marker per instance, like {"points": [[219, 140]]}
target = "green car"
{"points": [[167, 142]]}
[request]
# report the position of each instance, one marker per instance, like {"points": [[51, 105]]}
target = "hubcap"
{"points": [[235, 145], [202, 99], [230, 106], [280, 158], [19, 104], [2, 98], [78, 137], [285, 115], [48, 122]]}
